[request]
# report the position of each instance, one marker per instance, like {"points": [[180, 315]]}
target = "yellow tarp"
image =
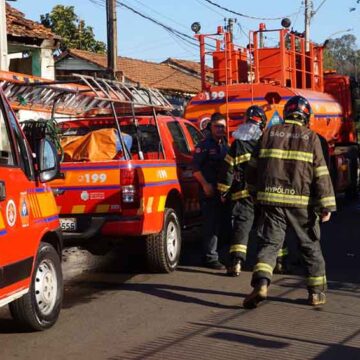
{"points": [[98, 145]]}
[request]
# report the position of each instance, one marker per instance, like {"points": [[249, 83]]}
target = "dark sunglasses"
{"points": [[219, 126]]}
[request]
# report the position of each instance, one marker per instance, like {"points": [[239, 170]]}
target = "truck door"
{"points": [[17, 238], [183, 150]]}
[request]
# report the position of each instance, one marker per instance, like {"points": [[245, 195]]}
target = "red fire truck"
{"points": [[270, 75], [30, 238]]}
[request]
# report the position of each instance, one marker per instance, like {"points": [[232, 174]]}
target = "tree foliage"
{"points": [[74, 33], [343, 55]]}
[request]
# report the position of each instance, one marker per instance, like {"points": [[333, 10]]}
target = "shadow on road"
{"points": [[86, 291], [249, 340]]}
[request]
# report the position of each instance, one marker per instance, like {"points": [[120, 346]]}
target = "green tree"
{"points": [[74, 33], [343, 55]]}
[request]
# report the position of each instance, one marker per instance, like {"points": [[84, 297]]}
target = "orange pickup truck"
{"points": [[147, 190], [126, 165]]}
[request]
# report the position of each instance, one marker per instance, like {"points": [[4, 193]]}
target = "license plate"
{"points": [[68, 224]]}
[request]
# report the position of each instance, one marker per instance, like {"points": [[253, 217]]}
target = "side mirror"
{"points": [[48, 162]]}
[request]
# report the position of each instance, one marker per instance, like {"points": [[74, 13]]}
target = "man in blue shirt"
{"points": [[208, 157]]}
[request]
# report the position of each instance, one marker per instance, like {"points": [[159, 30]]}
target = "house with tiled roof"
{"points": [[189, 67], [176, 85], [30, 45]]}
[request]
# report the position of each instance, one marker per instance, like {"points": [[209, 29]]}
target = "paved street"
{"points": [[196, 313]]}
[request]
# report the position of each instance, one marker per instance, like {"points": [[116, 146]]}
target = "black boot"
{"points": [[258, 295], [317, 299], [235, 268]]}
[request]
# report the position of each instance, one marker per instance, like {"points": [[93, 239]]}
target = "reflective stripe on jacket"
{"points": [[288, 169], [231, 178]]}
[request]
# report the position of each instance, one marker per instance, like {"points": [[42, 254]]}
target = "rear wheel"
{"points": [[163, 249], [40, 307]]}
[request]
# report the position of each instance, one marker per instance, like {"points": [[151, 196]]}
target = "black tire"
{"points": [[39, 308], [163, 249]]}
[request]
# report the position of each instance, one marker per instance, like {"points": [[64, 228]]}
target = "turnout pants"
{"points": [[272, 228], [243, 219]]}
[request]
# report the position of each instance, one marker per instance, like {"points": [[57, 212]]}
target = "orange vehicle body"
{"points": [[93, 189], [28, 211], [106, 197], [268, 77]]}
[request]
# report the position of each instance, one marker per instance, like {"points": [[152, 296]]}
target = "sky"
{"points": [[139, 38]]}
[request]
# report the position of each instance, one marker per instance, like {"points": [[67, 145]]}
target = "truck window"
{"points": [[23, 150], [147, 135], [195, 134], [144, 137], [178, 137], [6, 157]]}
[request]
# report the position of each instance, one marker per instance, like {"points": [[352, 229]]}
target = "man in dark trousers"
{"points": [[231, 184], [293, 188], [208, 156]]}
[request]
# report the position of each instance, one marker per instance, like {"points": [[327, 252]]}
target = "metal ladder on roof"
{"points": [[79, 97], [116, 91]]}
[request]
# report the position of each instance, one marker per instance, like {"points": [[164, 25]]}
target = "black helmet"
{"points": [[297, 108], [257, 115]]}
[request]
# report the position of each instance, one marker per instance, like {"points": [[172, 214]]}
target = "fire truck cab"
{"points": [[30, 239]]}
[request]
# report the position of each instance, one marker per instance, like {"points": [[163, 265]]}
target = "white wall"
{"points": [[4, 63]]}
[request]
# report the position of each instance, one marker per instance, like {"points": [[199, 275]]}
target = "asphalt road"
{"points": [[196, 313]]}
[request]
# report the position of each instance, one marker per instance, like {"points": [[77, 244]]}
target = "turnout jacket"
{"points": [[231, 178], [288, 169]]}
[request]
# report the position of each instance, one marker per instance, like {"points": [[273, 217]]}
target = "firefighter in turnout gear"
{"points": [[293, 188], [231, 184], [208, 157]]}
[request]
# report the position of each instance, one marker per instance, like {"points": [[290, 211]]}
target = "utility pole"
{"points": [[230, 27], [262, 28], [111, 37], [3, 38], [308, 16]]}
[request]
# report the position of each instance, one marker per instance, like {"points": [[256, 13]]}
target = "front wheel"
{"points": [[40, 307], [163, 249]]}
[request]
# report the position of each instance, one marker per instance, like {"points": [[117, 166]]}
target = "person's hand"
{"points": [[325, 216], [208, 190], [223, 199]]}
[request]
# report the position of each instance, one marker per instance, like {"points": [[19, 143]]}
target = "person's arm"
{"points": [[323, 188], [251, 172], [207, 187], [226, 172], [199, 158]]}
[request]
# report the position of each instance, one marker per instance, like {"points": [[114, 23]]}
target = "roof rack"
{"points": [[88, 93]]}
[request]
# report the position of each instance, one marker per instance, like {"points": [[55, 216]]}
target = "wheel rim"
{"points": [[46, 287], [172, 241]]}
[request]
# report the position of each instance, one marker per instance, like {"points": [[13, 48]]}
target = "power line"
{"points": [[244, 15], [318, 8], [166, 27], [155, 46], [298, 13], [189, 50], [210, 8], [186, 38], [162, 15], [182, 36], [242, 30]]}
